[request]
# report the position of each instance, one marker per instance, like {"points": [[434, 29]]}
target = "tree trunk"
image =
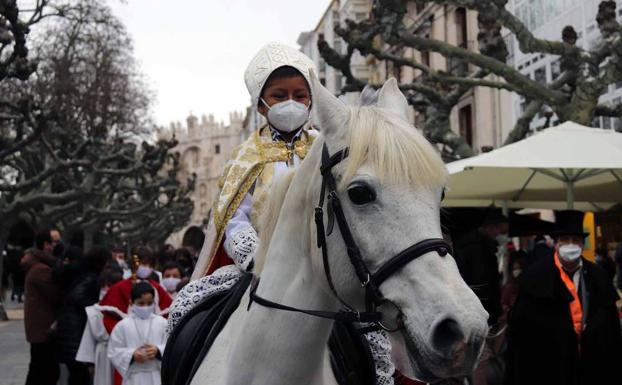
{"points": [[89, 235]]}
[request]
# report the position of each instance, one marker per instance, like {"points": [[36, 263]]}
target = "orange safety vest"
{"points": [[576, 311]]}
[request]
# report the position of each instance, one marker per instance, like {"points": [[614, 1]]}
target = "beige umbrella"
{"points": [[570, 163]]}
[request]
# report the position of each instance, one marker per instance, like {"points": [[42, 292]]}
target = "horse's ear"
{"points": [[392, 99], [329, 113]]}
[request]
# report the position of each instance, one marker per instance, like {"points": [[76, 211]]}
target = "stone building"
{"points": [[204, 147]]}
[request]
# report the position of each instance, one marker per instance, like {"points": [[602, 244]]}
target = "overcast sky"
{"points": [[194, 52]]}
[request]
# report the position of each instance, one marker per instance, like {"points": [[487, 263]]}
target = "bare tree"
{"points": [[585, 76], [75, 129]]}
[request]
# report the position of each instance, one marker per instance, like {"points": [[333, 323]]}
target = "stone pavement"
{"points": [[14, 350]]}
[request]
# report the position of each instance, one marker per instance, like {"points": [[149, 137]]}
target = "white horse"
{"points": [[390, 186]]}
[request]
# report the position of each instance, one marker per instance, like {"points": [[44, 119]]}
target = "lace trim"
{"points": [[241, 247], [380, 347], [195, 292]]}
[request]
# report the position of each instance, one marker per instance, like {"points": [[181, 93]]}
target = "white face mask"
{"points": [[144, 271], [516, 273], [170, 283], [569, 253], [287, 116], [143, 312]]}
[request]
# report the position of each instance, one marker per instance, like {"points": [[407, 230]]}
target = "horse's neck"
{"points": [[277, 346]]}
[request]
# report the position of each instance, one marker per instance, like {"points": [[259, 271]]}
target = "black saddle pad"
{"points": [[350, 356], [191, 339]]}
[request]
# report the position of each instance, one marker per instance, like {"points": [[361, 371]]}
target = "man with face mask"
{"points": [[564, 328]]}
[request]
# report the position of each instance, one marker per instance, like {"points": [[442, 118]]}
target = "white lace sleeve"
{"points": [[241, 246]]}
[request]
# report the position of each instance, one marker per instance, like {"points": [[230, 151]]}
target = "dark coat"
{"points": [[41, 301], [72, 318], [475, 255], [542, 344]]}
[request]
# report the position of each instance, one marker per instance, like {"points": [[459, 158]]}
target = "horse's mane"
{"points": [[395, 150], [270, 215]]}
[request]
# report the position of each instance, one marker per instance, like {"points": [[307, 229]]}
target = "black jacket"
{"points": [[72, 319], [542, 344], [475, 255]]}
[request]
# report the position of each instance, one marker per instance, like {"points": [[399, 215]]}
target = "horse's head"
{"points": [[390, 188]]}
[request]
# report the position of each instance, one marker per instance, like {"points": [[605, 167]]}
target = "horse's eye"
{"points": [[361, 194], [443, 195]]}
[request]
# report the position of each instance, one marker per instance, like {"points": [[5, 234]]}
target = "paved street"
{"points": [[13, 348]]}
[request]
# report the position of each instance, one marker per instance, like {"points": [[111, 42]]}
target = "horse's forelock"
{"points": [[392, 147]]}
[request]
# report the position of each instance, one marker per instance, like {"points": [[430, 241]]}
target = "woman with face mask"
{"points": [[564, 327]]}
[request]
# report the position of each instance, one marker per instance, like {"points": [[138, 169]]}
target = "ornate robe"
{"points": [[251, 168]]}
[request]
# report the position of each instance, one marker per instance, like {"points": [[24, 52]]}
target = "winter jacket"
{"points": [[542, 345], [41, 301]]}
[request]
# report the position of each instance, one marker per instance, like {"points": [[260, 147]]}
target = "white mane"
{"points": [[396, 151]]}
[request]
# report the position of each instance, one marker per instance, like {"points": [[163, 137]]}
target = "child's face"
{"points": [[144, 300], [171, 273], [282, 89]]}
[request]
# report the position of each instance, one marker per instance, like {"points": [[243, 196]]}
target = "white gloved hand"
{"points": [[241, 247]]}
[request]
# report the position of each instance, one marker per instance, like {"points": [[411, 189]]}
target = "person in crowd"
{"points": [[172, 273], [476, 256], [15, 271], [606, 263], [118, 256], [118, 296], [183, 257], [165, 255], [541, 250], [617, 257], [58, 247], [42, 300], [68, 269], [137, 343], [509, 291], [564, 328], [93, 349], [82, 292]]}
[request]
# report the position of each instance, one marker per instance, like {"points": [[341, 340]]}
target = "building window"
{"points": [[461, 27], [465, 117], [217, 149], [425, 58], [556, 69], [540, 75]]}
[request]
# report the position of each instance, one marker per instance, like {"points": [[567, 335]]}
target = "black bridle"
{"points": [[371, 282]]}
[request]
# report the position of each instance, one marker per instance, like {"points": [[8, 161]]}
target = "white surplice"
{"points": [[127, 336], [94, 344]]}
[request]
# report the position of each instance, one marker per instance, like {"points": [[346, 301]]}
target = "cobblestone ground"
{"points": [[14, 353]]}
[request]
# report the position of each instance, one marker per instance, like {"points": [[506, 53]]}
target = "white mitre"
{"points": [[272, 56]]}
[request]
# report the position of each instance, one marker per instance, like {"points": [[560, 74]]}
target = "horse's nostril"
{"points": [[447, 334]]}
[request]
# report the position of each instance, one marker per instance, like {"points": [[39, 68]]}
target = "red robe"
{"points": [[119, 296]]}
